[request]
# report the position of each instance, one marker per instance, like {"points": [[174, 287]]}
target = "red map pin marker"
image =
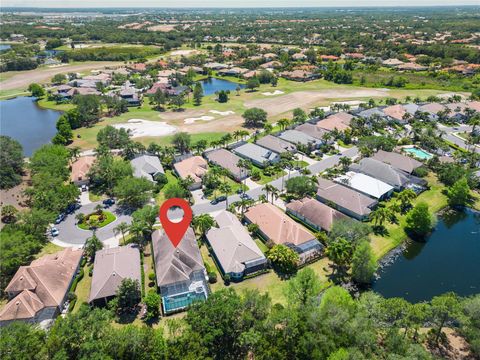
{"points": [[175, 230]]}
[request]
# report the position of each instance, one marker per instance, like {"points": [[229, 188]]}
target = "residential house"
{"points": [[299, 75], [80, 169], [275, 226], [194, 167], [340, 121], [130, 95], [314, 213], [271, 65], [258, 155], [400, 113], [110, 268], [233, 247], [411, 67], [215, 66], [392, 62], [148, 167], [38, 292], [234, 71], [432, 109], [297, 137], [388, 174], [299, 56], [344, 199], [103, 78], [228, 161], [372, 113], [312, 130], [366, 185], [276, 144], [328, 58], [399, 161], [181, 275]]}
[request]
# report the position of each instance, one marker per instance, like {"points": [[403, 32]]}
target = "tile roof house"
{"points": [[432, 109], [180, 273], [402, 162], [366, 185], [274, 225], [234, 249], [110, 268], [340, 121], [314, 213], [392, 62], [395, 112], [37, 292], [258, 155], [312, 130], [80, 169], [276, 144], [228, 161], [147, 166], [297, 137], [344, 199], [195, 167], [387, 173], [299, 75]]}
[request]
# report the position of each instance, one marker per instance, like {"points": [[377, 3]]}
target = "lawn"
{"points": [[49, 248], [235, 186], [436, 201], [47, 104], [109, 217], [83, 289], [171, 179], [148, 267], [264, 179], [261, 245]]}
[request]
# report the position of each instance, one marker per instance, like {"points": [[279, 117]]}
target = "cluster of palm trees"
{"points": [[400, 204]]}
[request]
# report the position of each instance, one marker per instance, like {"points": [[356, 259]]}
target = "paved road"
{"points": [[71, 234], [455, 139], [316, 168]]}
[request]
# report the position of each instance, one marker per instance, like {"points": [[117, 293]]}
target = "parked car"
{"points": [[218, 200], [108, 202], [60, 218], [72, 207], [84, 188], [245, 196], [54, 231]]}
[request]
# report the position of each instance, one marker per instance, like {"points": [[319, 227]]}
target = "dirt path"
{"points": [[23, 79]]}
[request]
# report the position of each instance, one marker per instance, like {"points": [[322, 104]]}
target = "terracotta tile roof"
{"points": [[395, 111], [194, 166], [340, 121], [277, 226], [81, 167]]}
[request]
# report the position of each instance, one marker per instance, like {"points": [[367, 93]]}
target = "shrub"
{"points": [[151, 277], [212, 277], [226, 279]]}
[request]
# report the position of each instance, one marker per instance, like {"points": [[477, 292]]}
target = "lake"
{"points": [[448, 261], [4, 47], [213, 84], [22, 119]]}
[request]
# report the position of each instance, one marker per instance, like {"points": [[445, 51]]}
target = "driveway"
{"points": [[72, 235]]}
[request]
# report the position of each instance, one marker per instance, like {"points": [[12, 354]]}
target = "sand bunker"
{"points": [[223, 113], [140, 128], [183, 52], [276, 92], [203, 118]]}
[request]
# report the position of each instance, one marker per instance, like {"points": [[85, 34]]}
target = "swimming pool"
{"points": [[181, 301], [419, 153]]}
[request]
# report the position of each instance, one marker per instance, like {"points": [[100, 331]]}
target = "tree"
{"points": [[64, 135], [405, 198], [9, 214], [255, 117], [89, 108], [133, 192], [11, 162], [159, 99], [444, 308], [459, 193], [36, 90], [345, 162], [92, 245], [178, 101], [202, 223], [174, 190], [197, 94], [419, 221], [121, 228], [22, 341], [147, 216], [340, 252], [181, 141], [351, 230], [299, 116], [107, 171], [364, 263], [59, 79], [113, 138], [128, 295], [222, 96], [380, 215], [303, 288], [253, 83], [283, 259], [152, 301], [301, 186]]}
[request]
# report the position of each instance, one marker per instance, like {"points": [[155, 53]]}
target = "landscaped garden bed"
{"points": [[96, 219]]}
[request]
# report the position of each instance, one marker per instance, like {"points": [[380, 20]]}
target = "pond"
{"points": [[448, 261], [22, 119], [4, 47], [213, 84]]}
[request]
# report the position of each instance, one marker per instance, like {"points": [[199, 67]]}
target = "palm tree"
{"points": [[80, 217], [405, 198], [137, 228], [270, 189], [226, 188], [345, 162], [74, 152], [121, 228], [245, 166], [268, 128], [226, 139], [283, 123], [380, 215], [202, 223], [237, 134]]}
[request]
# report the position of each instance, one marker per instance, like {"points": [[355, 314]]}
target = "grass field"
{"points": [[83, 289], [49, 248]]}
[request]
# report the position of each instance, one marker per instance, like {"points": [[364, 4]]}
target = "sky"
{"points": [[230, 3]]}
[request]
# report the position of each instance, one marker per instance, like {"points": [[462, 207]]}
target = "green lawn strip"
{"points": [[235, 186], [171, 179], [264, 179], [342, 144], [49, 248], [47, 104], [148, 268], [436, 201], [261, 245], [10, 94], [109, 217], [83, 289]]}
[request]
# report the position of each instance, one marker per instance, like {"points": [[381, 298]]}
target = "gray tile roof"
{"points": [[256, 153], [227, 160], [381, 171], [298, 137], [174, 265], [111, 267], [276, 144], [311, 130], [232, 244], [402, 162], [147, 166]]}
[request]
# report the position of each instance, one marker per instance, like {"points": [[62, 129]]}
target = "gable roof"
{"points": [[47, 278], [232, 244], [111, 267], [147, 166], [172, 264], [402, 162], [256, 153], [226, 160], [365, 184], [277, 226], [275, 144], [345, 197], [315, 212], [81, 167], [340, 121], [395, 111], [194, 166], [312, 130]]}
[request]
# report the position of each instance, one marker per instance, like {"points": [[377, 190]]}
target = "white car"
{"points": [[54, 231]]}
